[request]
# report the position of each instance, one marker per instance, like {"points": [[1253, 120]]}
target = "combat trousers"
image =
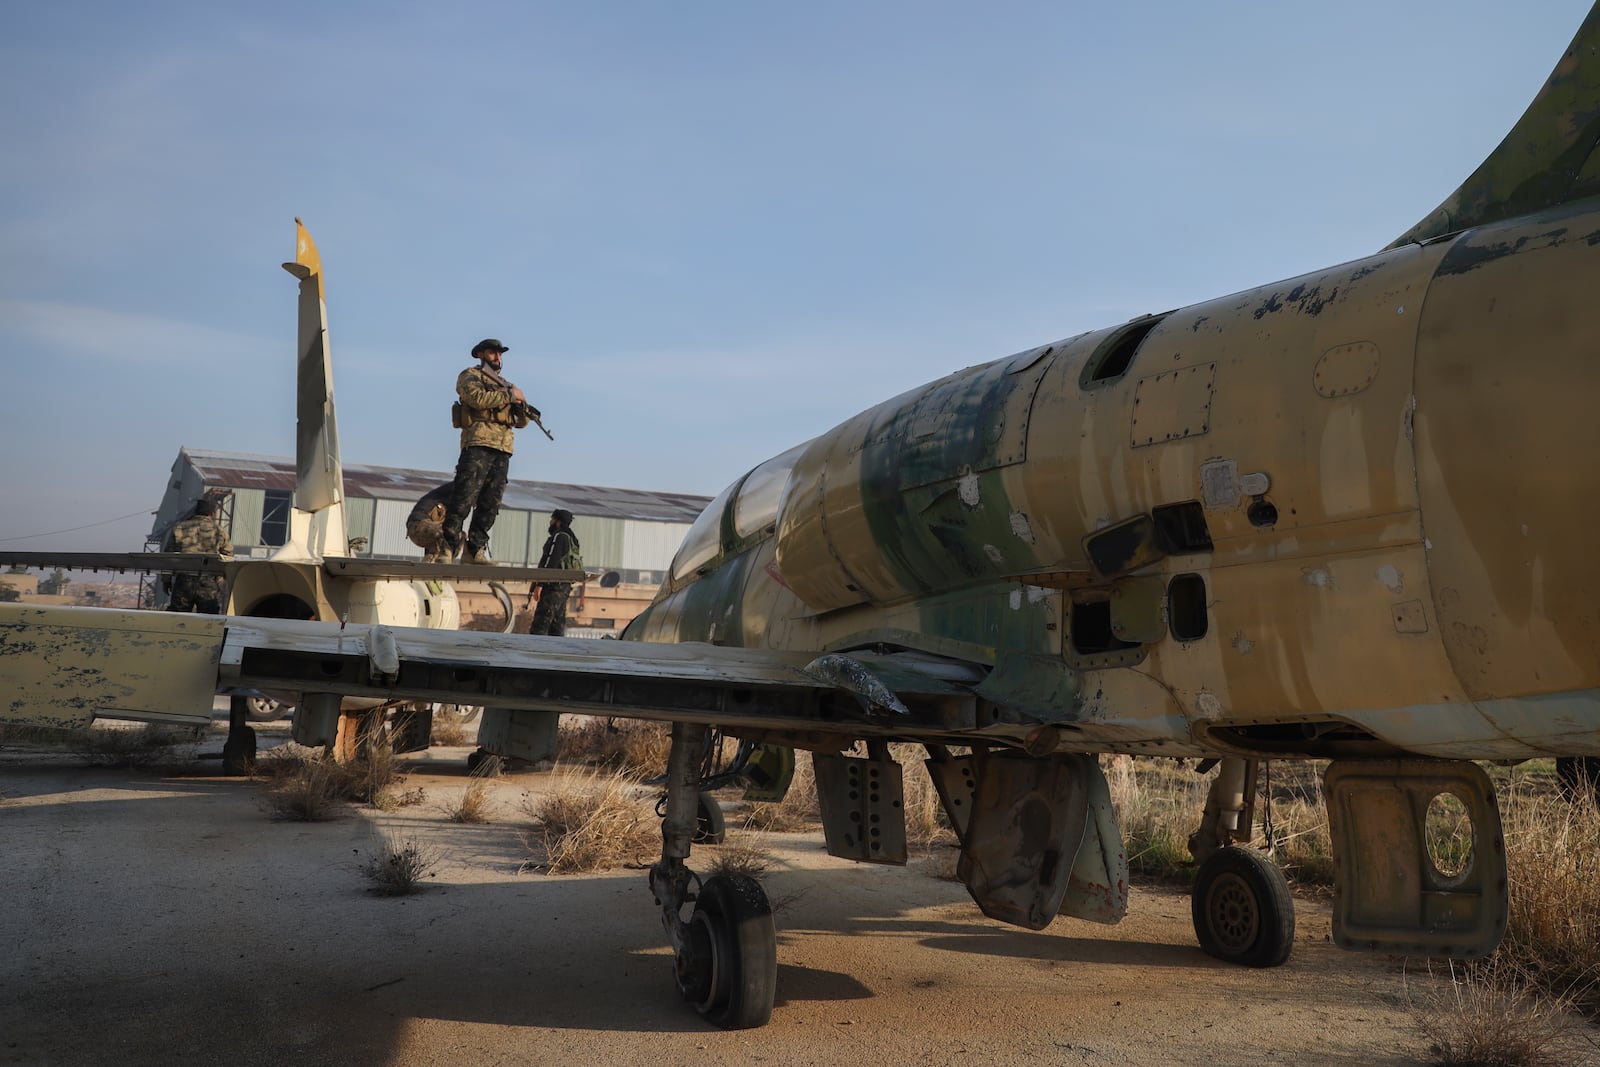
{"points": [[480, 483], [202, 594], [550, 617]]}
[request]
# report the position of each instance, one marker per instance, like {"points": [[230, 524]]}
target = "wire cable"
{"points": [[73, 529]]}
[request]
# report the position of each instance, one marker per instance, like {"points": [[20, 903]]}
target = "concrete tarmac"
{"points": [[162, 916]]}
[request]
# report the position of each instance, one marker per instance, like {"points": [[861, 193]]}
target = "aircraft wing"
{"points": [[144, 562], [408, 571], [64, 665]]}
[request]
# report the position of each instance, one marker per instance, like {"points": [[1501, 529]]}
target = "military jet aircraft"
{"points": [[1342, 516]]}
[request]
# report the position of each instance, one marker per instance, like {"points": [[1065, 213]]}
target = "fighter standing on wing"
{"points": [[490, 410]]}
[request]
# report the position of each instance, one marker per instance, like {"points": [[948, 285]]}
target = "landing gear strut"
{"points": [[725, 955]]}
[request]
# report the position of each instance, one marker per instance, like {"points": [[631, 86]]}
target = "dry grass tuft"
{"points": [[473, 805], [447, 731], [927, 826], [1158, 804], [394, 799], [590, 822], [490, 765], [629, 746], [124, 746], [744, 857], [1553, 930], [304, 785], [397, 867], [302, 790], [1491, 1015]]}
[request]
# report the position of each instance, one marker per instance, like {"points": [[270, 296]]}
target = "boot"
{"points": [[476, 555]]}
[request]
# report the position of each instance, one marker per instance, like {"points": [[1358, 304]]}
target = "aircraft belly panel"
{"points": [[1544, 725]]}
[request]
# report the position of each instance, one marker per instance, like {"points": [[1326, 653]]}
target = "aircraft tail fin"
{"points": [[317, 524], [1551, 156]]}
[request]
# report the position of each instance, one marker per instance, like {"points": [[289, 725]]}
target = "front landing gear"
{"points": [[725, 956], [1243, 912], [728, 968]]}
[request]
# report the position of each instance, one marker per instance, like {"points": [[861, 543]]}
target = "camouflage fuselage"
{"points": [[1344, 513]]}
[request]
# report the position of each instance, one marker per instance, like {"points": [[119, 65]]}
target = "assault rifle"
{"points": [[528, 411], [519, 408]]}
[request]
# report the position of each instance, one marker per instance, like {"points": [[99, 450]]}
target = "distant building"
{"points": [[634, 532]]}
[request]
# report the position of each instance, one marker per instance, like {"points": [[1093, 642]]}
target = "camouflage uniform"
{"points": [[198, 592], [485, 459], [550, 617]]}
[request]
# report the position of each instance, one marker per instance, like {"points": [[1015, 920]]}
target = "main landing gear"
{"points": [[725, 953], [1242, 909], [1241, 906]]}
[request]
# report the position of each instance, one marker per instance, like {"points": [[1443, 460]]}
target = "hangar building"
{"points": [[632, 531]]}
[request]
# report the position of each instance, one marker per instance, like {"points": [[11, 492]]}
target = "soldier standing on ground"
{"points": [[560, 552], [199, 533], [490, 409]]}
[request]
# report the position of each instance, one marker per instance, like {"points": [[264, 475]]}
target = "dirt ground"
{"points": [[160, 916]]}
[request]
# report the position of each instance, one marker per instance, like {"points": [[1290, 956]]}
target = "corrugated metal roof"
{"points": [[243, 470]]}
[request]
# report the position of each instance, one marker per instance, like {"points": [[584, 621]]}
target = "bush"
{"points": [[302, 790], [129, 746], [631, 746], [1490, 1016], [1553, 929], [590, 822], [306, 786], [473, 806], [447, 731], [396, 868]]}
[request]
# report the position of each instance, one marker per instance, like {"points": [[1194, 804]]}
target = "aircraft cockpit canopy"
{"points": [[756, 507], [704, 539], [756, 499]]}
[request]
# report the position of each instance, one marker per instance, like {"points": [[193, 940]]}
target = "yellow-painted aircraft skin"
{"points": [[1340, 516]]}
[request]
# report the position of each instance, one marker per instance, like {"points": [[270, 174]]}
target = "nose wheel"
{"points": [[1243, 912], [725, 953], [727, 966]]}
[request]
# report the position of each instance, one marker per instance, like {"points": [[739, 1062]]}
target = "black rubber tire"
{"points": [[1242, 909], [710, 828], [265, 709], [730, 973]]}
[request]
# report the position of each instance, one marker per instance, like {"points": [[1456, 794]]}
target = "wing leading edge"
{"points": [[748, 689]]}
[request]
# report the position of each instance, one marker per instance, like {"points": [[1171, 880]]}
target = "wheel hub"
{"points": [[1234, 916]]}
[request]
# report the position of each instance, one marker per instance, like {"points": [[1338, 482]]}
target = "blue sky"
{"points": [[708, 231]]}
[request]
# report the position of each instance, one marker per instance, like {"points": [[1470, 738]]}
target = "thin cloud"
{"points": [[94, 334]]}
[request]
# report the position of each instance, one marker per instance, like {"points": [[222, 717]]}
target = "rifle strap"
{"points": [[495, 378]]}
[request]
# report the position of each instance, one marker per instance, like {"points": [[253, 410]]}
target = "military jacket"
{"points": [[201, 533], [489, 406]]}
